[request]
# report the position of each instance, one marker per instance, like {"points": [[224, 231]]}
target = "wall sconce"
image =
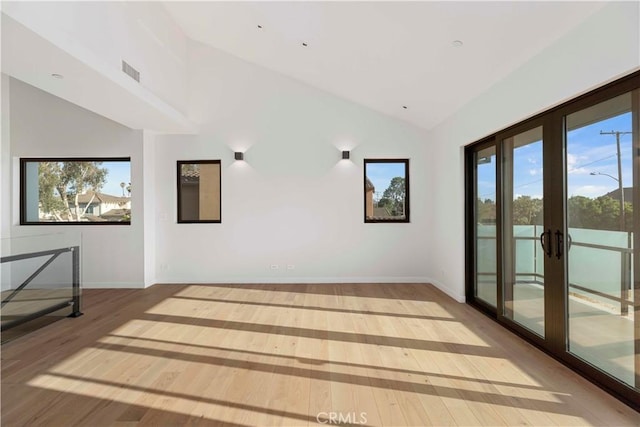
{"points": [[238, 155], [345, 155]]}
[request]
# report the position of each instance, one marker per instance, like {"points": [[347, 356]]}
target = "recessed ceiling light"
{"points": [[405, 107], [457, 43], [304, 44], [57, 76], [260, 26]]}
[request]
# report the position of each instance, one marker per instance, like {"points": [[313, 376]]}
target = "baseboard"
{"points": [[319, 280], [293, 280], [149, 282], [447, 290], [287, 280], [112, 285]]}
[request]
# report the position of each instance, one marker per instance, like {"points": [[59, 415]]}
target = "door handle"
{"points": [[559, 242], [543, 242]]}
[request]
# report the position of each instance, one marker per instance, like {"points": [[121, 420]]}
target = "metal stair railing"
{"points": [[75, 299]]}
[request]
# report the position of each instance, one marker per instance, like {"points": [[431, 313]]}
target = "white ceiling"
{"points": [[87, 82], [386, 55]]}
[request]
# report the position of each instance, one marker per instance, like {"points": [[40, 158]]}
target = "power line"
{"points": [[596, 161], [539, 180]]}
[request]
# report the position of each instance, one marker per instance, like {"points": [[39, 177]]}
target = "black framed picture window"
{"points": [[199, 191], [386, 190], [75, 191]]}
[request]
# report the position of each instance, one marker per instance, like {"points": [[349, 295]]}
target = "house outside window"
{"points": [[67, 191]]}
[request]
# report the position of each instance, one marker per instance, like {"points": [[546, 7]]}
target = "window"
{"points": [[553, 248], [71, 191], [199, 189], [386, 190]]}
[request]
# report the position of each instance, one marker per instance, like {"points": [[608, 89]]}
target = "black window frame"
{"points": [[407, 203], [180, 199], [23, 183], [556, 303]]}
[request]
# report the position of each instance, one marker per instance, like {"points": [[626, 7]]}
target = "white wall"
{"points": [[5, 158], [5, 180], [141, 33], [293, 201], [149, 177], [42, 125], [604, 47]]}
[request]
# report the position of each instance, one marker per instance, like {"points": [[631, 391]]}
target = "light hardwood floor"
{"points": [[263, 355], [29, 301]]}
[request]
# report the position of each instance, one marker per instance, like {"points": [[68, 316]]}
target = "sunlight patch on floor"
{"points": [[280, 362]]}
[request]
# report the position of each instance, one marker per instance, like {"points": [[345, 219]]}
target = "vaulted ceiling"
{"points": [[416, 61], [430, 57]]}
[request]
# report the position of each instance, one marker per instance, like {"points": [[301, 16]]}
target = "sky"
{"points": [[381, 174], [118, 172], [587, 151]]}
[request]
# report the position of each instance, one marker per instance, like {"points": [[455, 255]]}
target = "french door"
{"points": [[523, 220], [553, 216]]}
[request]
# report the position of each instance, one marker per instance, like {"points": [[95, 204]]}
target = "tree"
{"points": [[189, 167], [609, 213], [395, 193], [486, 211], [67, 180], [601, 213], [48, 176], [628, 218], [527, 211], [384, 202]]}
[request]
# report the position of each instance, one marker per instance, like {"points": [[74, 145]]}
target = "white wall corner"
{"points": [[602, 48], [5, 159], [149, 218], [453, 293], [110, 254]]}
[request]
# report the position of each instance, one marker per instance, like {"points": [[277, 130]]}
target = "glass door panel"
{"points": [[599, 156], [485, 226], [523, 230], [553, 213]]}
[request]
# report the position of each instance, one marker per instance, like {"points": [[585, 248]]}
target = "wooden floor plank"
{"points": [[241, 355]]}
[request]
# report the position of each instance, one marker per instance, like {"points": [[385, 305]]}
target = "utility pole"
{"points": [[620, 185], [625, 265]]}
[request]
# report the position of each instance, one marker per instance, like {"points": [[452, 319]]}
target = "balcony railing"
{"points": [[600, 262], [36, 283]]}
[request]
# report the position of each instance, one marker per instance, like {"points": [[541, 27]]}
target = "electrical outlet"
{"points": [[274, 266]]}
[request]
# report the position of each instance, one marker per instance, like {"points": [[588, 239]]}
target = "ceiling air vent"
{"points": [[130, 71]]}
